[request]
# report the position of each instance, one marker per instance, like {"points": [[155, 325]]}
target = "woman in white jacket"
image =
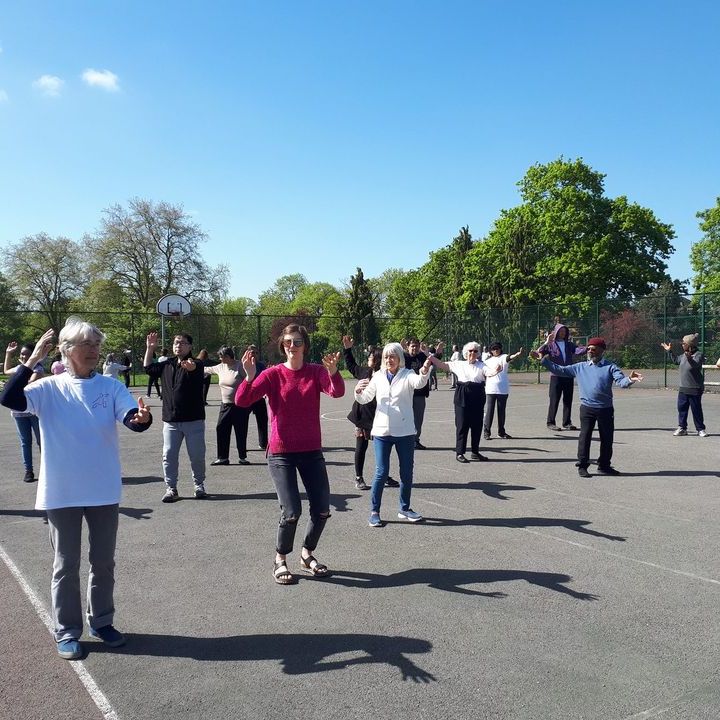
{"points": [[393, 387]]}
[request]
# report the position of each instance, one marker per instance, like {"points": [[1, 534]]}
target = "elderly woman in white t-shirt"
{"points": [[469, 399], [497, 387], [79, 475]]}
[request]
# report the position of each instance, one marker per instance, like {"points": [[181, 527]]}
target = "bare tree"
{"points": [[151, 249], [46, 273]]}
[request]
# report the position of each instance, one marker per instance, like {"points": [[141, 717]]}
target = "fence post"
{"points": [[259, 330], [132, 345], [702, 326], [597, 317], [537, 337], [665, 340]]}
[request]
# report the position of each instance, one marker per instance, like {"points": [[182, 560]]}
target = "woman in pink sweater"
{"points": [[293, 392]]}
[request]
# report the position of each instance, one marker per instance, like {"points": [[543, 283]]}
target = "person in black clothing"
{"points": [[154, 381], [362, 416], [127, 362], [183, 411], [207, 380], [259, 408], [414, 360]]}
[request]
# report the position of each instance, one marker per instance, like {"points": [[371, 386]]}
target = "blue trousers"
{"points": [[26, 426], [405, 448], [693, 403]]}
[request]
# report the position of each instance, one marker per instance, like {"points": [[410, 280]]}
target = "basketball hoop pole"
{"points": [[162, 331]]}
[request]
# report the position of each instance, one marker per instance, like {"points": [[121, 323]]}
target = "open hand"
{"points": [[635, 376], [347, 342], [188, 364], [151, 340], [362, 384], [11, 348], [534, 354], [248, 363], [666, 346], [330, 362], [42, 348]]}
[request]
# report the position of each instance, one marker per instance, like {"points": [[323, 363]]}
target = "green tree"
{"points": [[567, 243], [359, 312], [47, 275], [705, 254], [278, 299], [11, 319]]}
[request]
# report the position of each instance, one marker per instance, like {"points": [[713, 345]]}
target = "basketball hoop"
{"points": [[172, 306]]}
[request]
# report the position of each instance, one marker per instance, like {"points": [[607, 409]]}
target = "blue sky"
{"points": [[314, 137]]}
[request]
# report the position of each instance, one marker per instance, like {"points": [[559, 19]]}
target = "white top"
{"points": [[112, 369], [468, 372], [229, 378], [38, 370], [497, 384], [80, 459], [456, 356], [394, 413]]}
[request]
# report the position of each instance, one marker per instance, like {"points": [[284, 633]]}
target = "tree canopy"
{"points": [[705, 254]]}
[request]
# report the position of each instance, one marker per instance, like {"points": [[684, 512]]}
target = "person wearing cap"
{"points": [[692, 384], [595, 379]]}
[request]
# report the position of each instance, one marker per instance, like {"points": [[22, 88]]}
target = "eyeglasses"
{"points": [[86, 345], [297, 342], [180, 342], [472, 350]]}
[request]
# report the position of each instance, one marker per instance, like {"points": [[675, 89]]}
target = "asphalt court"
{"points": [[527, 593]]}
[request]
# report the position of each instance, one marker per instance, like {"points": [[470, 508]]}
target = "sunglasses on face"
{"points": [[297, 342]]}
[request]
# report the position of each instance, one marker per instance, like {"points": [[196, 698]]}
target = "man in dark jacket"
{"points": [[183, 411], [414, 360]]}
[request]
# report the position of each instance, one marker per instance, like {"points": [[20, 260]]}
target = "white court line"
{"points": [[647, 563], [86, 679], [658, 710]]}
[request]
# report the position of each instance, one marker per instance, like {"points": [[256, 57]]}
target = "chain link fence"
{"points": [[633, 331]]}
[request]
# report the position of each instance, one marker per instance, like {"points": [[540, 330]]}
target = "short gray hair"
{"points": [[394, 348], [77, 330], [472, 345]]}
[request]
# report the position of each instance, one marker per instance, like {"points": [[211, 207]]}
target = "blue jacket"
{"points": [[594, 380]]}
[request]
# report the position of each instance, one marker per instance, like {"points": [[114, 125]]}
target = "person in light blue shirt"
{"points": [[595, 379]]}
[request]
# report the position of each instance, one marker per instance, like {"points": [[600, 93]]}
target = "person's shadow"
{"points": [[339, 503], [494, 490], [526, 522], [455, 580], [298, 654]]}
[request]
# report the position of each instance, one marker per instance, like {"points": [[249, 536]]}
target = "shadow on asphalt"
{"points": [[338, 502], [142, 480], [455, 580], [493, 490], [298, 654], [524, 522]]}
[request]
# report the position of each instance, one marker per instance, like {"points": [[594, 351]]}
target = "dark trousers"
{"points": [[153, 381], [283, 471], [206, 386], [231, 418], [126, 377], [361, 446], [469, 418], [560, 387], [259, 409], [492, 400], [605, 418], [694, 403]]}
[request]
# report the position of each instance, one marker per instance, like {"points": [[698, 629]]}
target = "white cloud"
{"points": [[101, 78], [3, 96], [49, 85]]}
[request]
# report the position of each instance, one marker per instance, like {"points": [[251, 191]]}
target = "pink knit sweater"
{"points": [[294, 399]]}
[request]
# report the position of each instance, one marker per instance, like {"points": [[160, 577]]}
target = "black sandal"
{"points": [[282, 575], [313, 567]]}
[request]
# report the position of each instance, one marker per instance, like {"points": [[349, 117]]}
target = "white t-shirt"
{"points": [[497, 384], [113, 369], [468, 372], [80, 460]]}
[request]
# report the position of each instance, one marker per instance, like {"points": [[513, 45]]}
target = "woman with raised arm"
{"points": [[393, 388], [497, 387], [293, 391], [79, 475], [26, 423], [361, 416], [469, 400]]}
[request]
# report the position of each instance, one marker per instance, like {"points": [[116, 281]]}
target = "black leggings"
{"points": [[361, 446], [283, 471]]}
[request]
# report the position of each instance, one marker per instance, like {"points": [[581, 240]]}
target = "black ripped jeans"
{"points": [[284, 469]]}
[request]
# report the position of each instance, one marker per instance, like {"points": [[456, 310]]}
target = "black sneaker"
{"points": [[486, 436], [505, 436], [200, 493], [243, 461], [220, 461], [391, 483], [477, 457], [461, 459], [609, 470], [554, 428], [569, 427], [419, 446], [29, 476], [171, 495], [583, 472], [360, 484]]}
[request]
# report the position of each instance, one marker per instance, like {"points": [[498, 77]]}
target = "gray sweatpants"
{"points": [[193, 432], [65, 535]]}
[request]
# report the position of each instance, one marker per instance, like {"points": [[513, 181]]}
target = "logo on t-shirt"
{"points": [[101, 401]]}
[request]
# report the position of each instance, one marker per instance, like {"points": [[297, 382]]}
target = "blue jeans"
{"points": [[405, 448], [193, 433], [26, 426]]}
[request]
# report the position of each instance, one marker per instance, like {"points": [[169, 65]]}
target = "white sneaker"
{"points": [[680, 431], [410, 515], [702, 433]]}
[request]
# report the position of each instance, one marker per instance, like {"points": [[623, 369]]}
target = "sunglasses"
{"points": [[297, 342]]}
